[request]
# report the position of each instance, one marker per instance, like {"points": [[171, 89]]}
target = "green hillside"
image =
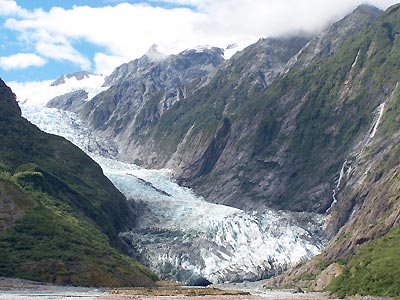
{"points": [[59, 215], [373, 271]]}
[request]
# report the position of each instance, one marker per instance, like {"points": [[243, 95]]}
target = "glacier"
{"points": [[177, 233]]}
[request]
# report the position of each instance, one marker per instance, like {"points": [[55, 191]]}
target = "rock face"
{"points": [[334, 37], [365, 211], [72, 101], [135, 68], [143, 90]]}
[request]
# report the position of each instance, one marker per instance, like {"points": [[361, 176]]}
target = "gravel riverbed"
{"points": [[16, 289]]}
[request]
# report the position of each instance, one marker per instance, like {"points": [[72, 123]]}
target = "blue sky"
{"points": [[47, 4], [41, 40]]}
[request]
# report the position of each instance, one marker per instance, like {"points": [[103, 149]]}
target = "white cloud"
{"points": [[21, 61], [125, 31], [261, 18], [30, 90], [8, 7], [62, 51], [105, 64], [11, 8]]}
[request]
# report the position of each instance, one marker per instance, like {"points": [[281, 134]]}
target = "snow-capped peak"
{"points": [[78, 76]]}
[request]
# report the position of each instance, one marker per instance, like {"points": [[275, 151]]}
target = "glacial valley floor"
{"points": [[16, 289]]}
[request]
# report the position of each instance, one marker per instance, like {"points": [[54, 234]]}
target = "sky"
{"points": [[40, 40]]}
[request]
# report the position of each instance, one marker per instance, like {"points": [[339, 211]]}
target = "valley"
{"points": [[181, 236], [278, 163]]}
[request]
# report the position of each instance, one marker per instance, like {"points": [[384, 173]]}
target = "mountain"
{"points": [[363, 255], [204, 138], [159, 115], [71, 101], [269, 167], [334, 37], [142, 90], [135, 67], [40, 93], [301, 124], [59, 215]]}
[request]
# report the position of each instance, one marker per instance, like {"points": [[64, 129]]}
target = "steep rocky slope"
{"points": [[334, 37], [363, 257], [59, 214], [142, 90]]}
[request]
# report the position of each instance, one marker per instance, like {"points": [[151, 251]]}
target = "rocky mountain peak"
{"points": [[204, 55], [77, 75], [367, 9], [186, 61], [142, 90], [134, 67], [361, 16], [154, 55]]}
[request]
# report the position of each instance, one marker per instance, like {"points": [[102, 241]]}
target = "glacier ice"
{"points": [[181, 236]]}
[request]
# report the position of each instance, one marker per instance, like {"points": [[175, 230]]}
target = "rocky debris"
{"points": [[298, 290], [327, 275]]}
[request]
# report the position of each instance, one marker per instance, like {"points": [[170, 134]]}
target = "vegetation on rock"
{"points": [[59, 215]]}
